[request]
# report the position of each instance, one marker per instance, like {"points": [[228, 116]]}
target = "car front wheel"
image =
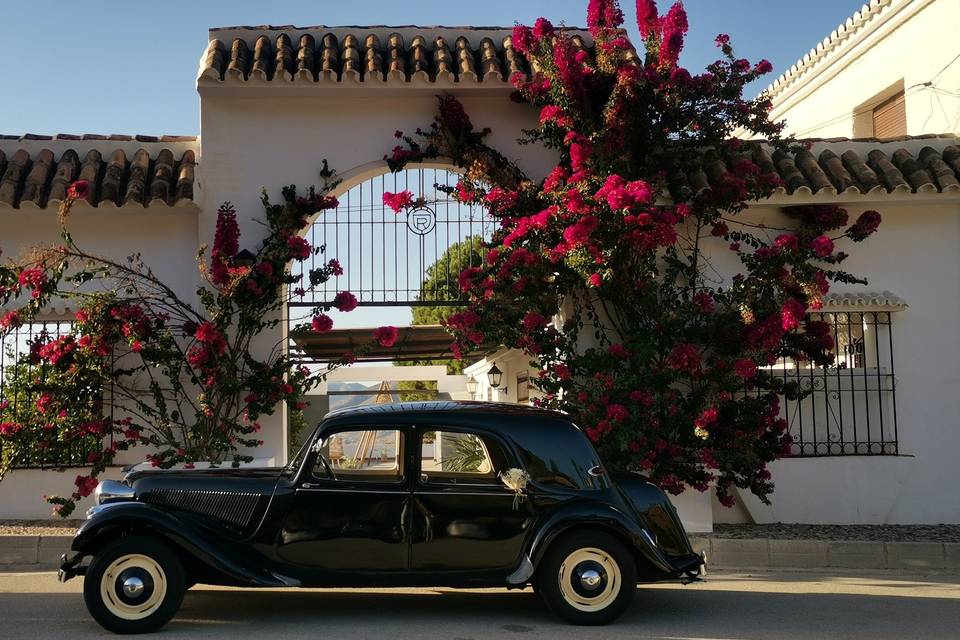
{"points": [[134, 585], [587, 578]]}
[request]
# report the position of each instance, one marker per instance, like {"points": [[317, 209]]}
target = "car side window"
{"points": [[375, 455], [453, 457]]}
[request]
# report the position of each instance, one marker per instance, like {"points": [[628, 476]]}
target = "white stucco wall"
{"points": [[915, 255], [913, 41], [255, 139], [249, 142]]}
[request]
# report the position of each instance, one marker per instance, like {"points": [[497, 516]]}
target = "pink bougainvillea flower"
{"points": [[603, 15], [763, 67], [335, 267], [533, 321], [79, 190], [684, 357], [345, 301], [791, 314], [226, 244], [617, 350], [299, 248], [579, 233], [674, 26], [522, 38], [321, 323], [561, 371], [398, 201], [617, 412], [386, 336], [704, 302], [822, 246], [10, 320], [865, 225], [648, 20], [745, 368], [787, 241]]}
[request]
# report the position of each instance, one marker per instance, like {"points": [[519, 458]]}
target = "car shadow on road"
{"points": [[691, 612]]}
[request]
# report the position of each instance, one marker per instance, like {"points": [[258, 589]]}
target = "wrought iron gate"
{"points": [[387, 257]]}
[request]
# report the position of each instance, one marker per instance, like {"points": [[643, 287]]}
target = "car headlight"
{"points": [[112, 491]]}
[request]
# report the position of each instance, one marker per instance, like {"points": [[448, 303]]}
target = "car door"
{"points": [[348, 514], [464, 517]]}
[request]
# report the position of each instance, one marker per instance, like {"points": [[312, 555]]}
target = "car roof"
{"points": [[497, 416]]}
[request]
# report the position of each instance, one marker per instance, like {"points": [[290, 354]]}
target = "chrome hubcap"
{"points": [[132, 587], [590, 579]]}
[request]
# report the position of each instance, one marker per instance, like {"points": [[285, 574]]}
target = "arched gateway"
{"points": [[390, 260], [278, 101]]}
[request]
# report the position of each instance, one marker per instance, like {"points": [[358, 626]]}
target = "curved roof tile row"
{"points": [[41, 180], [368, 58], [849, 173], [837, 38]]}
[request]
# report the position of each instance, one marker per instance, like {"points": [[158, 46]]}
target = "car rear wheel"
{"points": [[134, 585], [587, 578]]}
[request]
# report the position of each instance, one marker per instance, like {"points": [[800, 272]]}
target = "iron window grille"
{"points": [[12, 395], [850, 407]]}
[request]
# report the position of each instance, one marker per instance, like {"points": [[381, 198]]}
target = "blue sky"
{"points": [[126, 67]]}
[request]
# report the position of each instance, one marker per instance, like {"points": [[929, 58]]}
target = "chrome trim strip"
{"points": [[501, 494], [315, 489]]}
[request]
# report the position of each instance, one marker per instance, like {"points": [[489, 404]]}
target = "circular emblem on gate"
{"points": [[421, 220]]}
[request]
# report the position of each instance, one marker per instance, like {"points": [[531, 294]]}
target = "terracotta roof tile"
{"points": [[379, 55], [854, 172], [41, 179]]}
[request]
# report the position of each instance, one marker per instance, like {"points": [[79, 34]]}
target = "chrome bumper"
{"points": [[70, 567]]}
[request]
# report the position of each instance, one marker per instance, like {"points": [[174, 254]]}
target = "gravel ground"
{"points": [[868, 532], [38, 527], [876, 533]]}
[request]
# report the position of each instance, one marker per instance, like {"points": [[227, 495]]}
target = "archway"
{"points": [[399, 266]]}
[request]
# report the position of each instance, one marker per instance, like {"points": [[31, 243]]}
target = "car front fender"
{"points": [[105, 524], [590, 515]]}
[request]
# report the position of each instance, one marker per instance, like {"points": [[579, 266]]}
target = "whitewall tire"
{"points": [[134, 585], [587, 577]]}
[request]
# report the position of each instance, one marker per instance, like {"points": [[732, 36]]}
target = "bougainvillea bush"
{"points": [[144, 366], [602, 271]]}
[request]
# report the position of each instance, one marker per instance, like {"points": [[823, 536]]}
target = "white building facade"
{"points": [[275, 103]]}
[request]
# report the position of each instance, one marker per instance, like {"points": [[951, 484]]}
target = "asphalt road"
{"points": [[727, 607]]}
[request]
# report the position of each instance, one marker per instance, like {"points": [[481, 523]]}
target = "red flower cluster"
{"points": [[321, 323], [299, 248], [79, 190], [398, 201], [386, 336], [345, 301], [606, 245], [226, 244]]}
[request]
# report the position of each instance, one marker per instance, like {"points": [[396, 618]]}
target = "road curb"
{"points": [[37, 553], [763, 553]]}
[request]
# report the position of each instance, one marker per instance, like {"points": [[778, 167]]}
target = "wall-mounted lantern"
{"points": [[495, 376]]}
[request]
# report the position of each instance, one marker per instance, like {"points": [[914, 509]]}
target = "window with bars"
{"points": [[850, 407], [15, 400]]}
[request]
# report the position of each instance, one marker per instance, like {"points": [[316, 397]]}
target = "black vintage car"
{"points": [[451, 494]]}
